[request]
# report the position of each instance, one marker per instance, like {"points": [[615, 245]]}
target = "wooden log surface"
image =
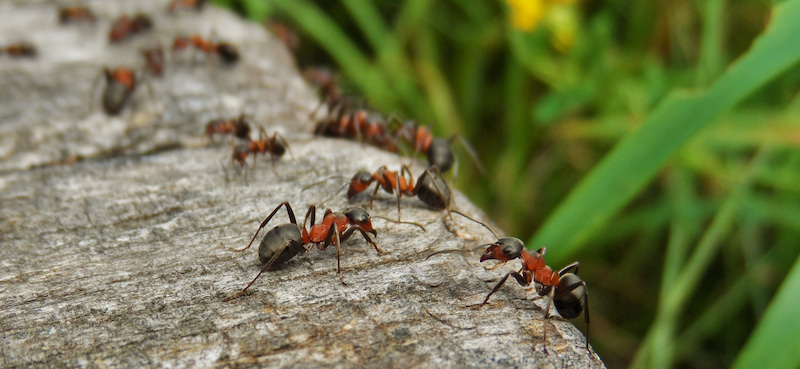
{"points": [[116, 232]]}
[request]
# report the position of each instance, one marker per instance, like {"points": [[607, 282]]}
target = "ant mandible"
{"points": [[430, 186], [287, 240], [564, 289], [237, 126]]}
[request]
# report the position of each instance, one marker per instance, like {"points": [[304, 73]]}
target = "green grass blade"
{"points": [[776, 341], [639, 156]]}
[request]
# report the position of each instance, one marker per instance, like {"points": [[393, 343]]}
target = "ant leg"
{"points": [[278, 135], [264, 269], [438, 189], [572, 267], [338, 241], [312, 211], [223, 169], [471, 151], [380, 175], [569, 289], [264, 223], [369, 240], [547, 316], [521, 279]]}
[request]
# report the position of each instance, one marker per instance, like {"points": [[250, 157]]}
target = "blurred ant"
{"points": [[276, 146], [226, 51], [430, 188], [237, 126], [154, 59], [564, 289], [126, 27], [20, 50], [286, 34], [287, 240], [438, 150], [360, 124], [120, 84], [75, 14], [328, 83], [176, 5]]}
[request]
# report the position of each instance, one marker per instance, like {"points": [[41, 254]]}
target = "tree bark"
{"points": [[116, 232]]}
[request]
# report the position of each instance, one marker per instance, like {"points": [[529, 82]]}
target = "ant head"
{"points": [[359, 183], [359, 217], [440, 154], [228, 52], [505, 249]]}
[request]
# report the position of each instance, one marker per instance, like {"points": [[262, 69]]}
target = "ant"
{"points": [[154, 59], [430, 186], [73, 14], [438, 150], [126, 27], [276, 146], [286, 34], [564, 289], [287, 240], [226, 51], [176, 5], [356, 123], [120, 84], [20, 50], [237, 126]]}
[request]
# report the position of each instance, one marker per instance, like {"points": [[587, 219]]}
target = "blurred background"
{"points": [[653, 141]]}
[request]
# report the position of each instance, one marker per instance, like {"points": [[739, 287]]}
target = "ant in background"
{"points": [[177, 5], [125, 27], [276, 146], [328, 83], [120, 84], [226, 51], [564, 289], [287, 240], [75, 14], [286, 34], [237, 126], [438, 150], [20, 50], [430, 188], [154, 59]]}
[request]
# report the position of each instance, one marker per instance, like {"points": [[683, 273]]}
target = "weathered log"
{"points": [[116, 233]]}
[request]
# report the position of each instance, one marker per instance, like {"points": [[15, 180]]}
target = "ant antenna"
{"points": [[479, 222], [321, 182], [458, 250], [399, 221]]}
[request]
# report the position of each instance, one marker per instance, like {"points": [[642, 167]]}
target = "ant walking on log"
{"points": [[120, 84], [287, 240], [276, 146], [237, 126], [438, 150], [564, 289], [430, 187], [75, 14], [226, 51], [125, 27]]}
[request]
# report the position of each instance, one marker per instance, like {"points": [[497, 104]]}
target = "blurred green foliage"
{"points": [[655, 141]]}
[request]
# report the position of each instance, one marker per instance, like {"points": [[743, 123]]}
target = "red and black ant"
{"points": [[438, 150], [430, 187], [125, 27], [226, 51], [564, 289], [237, 126], [276, 146], [75, 14], [154, 59], [120, 84], [286, 34], [20, 50], [176, 5], [287, 240]]}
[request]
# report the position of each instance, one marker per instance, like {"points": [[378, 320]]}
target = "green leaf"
{"points": [[776, 340], [631, 165]]}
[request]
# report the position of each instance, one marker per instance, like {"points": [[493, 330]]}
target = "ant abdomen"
{"points": [[275, 240], [570, 304], [433, 190]]}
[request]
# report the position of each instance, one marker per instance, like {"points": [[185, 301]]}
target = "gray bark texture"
{"points": [[116, 232]]}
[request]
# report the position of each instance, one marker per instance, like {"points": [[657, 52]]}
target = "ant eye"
{"points": [[508, 250]]}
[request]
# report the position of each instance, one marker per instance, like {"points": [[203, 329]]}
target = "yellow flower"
{"points": [[526, 14]]}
